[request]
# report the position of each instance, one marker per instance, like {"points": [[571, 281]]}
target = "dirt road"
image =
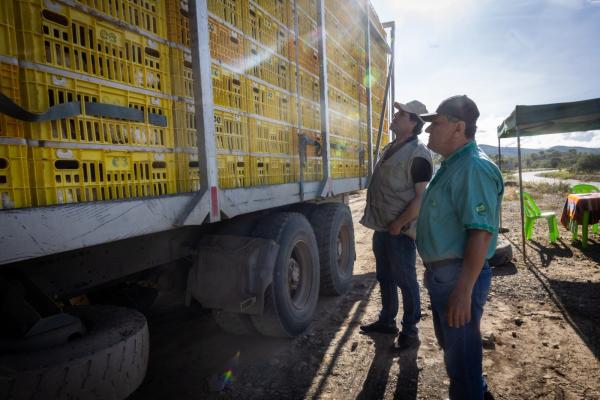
{"points": [[542, 323]]}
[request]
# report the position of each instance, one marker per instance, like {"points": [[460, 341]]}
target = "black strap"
{"points": [[59, 111], [73, 109], [113, 111]]}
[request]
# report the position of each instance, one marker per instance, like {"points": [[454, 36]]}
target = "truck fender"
{"points": [[231, 273]]}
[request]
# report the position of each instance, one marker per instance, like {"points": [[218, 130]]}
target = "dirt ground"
{"points": [[541, 323]]}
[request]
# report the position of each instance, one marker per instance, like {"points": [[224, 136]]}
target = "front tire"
{"points": [[109, 362]]}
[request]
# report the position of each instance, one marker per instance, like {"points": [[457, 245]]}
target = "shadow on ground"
{"points": [[192, 358], [581, 301]]}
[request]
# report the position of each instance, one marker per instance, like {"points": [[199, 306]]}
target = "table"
{"points": [[581, 209]]}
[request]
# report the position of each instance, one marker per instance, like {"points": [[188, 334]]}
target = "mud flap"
{"points": [[231, 273]]}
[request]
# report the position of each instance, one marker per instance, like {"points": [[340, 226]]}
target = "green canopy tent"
{"points": [[545, 119]]}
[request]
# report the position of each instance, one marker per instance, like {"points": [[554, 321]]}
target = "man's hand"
{"points": [[395, 227], [458, 309]]}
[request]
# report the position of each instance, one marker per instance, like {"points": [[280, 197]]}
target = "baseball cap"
{"points": [[460, 107], [412, 107]]}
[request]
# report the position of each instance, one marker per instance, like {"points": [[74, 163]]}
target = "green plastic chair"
{"points": [[584, 188], [533, 213]]}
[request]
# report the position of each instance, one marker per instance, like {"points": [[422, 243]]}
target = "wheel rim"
{"points": [[299, 275], [343, 249]]}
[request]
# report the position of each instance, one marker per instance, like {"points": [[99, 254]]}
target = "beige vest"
{"points": [[391, 187]]}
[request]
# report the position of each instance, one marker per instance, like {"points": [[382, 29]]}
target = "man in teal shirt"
{"points": [[457, 231]]}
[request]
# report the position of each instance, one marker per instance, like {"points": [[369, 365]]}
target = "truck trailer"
{"points": [[202, 148]]}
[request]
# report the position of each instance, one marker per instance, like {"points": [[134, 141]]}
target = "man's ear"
{"points": [[461, 127]]}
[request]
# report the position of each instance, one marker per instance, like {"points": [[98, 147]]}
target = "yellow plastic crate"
{"points": [[178, 22], [61, 176], [342, 126], [268, 102], [308, 57], [228, 88], [264, 30], [226, 45], [313, 169], [307, 29], [344, 168], [309, 87], [9, 86], [184, 125], [228, 10], [234, 171], [8, 38], [311, 115], [14, 177], [267, 67], [147, 15], [267, 170], [65, 38], [41, 90], [280, 9], [266, 137], [309, 7], [231, 131], [188, 172], [182, 78]]}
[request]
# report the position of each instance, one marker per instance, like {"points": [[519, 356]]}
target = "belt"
{"points": [[442, 263]]}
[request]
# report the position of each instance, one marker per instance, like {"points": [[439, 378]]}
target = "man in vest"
{"points": [[393, 201], [456, 235]]}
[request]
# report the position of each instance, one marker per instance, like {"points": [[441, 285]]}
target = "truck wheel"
{"points": [[291, 299], [235, 323], [109, 362], [332, 224]]}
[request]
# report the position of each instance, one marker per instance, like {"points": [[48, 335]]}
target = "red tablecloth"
{"points": [[577, 204]]}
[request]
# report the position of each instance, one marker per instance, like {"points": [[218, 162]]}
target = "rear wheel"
{"points": [[334, 231], [291, 299]]}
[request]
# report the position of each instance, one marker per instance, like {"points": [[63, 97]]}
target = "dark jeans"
{"points": [[462, 346], [395, 258]]}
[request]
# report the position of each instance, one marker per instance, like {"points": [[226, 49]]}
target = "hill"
{"points": [[512, 151]]}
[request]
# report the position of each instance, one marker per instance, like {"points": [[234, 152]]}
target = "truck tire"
{"points": [[109, 362], [291, 299], [334, 231], [234, 323]]}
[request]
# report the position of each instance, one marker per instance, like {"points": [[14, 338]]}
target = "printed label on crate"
{"points": [[110, 36], [64, 153], [159, 157], [59, 80], [117, 163]]}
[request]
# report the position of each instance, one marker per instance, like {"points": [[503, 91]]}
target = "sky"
{"points": [[501, 54]]}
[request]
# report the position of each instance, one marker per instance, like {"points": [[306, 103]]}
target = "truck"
{"points": [[201, 148]]}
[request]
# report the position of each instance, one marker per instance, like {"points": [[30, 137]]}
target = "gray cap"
{"points": [[412, 107]]}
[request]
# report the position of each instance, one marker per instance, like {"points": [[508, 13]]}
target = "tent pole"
{"points": [[500, 168], [521, 192]]}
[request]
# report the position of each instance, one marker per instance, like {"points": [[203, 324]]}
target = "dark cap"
{"points": [[459, 107]]}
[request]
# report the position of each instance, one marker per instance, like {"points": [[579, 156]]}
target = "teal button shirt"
{"points": [[465, 193]]}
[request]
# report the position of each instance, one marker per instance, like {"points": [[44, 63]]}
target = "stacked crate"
{"points": [[14, 175], [344, 91], [379, 68], [99, 82]]}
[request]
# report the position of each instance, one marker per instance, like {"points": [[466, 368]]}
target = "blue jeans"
{"points": [[395, 258], [462, 346]]}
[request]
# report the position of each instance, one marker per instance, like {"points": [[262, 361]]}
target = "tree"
{"points": [[588, 163]]}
